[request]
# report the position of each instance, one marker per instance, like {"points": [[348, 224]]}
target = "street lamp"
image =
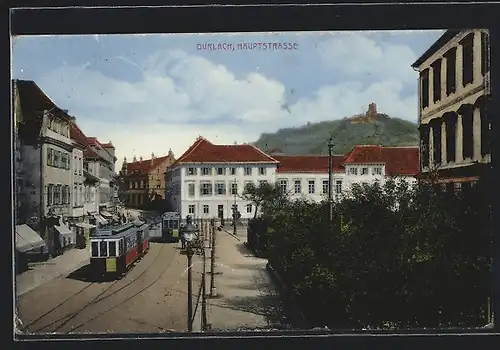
{"points": [[235, 208], [330, 179], [189, 232]]}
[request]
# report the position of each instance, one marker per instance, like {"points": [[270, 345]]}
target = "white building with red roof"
{"points": [[208, 179]]}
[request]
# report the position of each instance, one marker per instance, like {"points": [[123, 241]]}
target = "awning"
{"points": [[84, 225], [105, 214], [27, 239], [101, 220], [63, 230]]}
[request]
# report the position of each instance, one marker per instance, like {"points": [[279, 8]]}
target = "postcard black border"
{"points": [[340, 16]]}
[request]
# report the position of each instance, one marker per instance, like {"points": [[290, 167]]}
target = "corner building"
{"points": [[454, 96]]}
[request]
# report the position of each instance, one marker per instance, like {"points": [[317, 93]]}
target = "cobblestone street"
{"points": [[152, 297]]}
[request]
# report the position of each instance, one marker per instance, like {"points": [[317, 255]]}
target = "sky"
{"points": [[151, 93]]}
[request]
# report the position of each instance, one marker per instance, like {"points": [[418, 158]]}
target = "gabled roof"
{"points": [[203, 151], [365, 154], [34, 101], [147, 165], [440, 42], [308, 164]]}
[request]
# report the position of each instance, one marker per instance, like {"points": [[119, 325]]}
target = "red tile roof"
{"points": [[401, 160], [77, 134], [146, 165], [203, 151], [308, 164], [397, 160]]}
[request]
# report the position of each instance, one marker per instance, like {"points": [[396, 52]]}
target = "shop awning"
{"points": [[27, 239], [84, 225], [101, 220], [105, 214], [63, 230]]}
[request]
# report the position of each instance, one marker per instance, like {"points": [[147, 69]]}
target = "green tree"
{"points": [[265, 195]]}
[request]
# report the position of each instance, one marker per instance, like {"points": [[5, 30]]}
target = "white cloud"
{"points": [[182, 96]]}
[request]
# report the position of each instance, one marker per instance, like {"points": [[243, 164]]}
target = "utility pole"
{"points": [[203, 291], [235, 232], [330, 179], [213, 292]]}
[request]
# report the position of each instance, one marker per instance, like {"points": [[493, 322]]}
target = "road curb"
{"points": [[65, 273]]}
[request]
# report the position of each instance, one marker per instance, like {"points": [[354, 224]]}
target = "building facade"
{"points": [[103, 158], [142, 180], [454, 94], [207, 180], [46, 148]]}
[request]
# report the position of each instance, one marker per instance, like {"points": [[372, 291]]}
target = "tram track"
{"points": [[97, 299], [126, 299]]}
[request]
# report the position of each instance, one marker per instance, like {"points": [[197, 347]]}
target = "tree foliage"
{"points": [[395, 256]]}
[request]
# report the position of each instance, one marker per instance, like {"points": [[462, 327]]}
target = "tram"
{"points": [[114, 249], [170, 222]]}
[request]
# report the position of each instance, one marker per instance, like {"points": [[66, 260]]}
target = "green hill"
{"points": [[348, 132]]}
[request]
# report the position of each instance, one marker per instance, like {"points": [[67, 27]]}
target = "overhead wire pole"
{"points": [[330, 179], [235, 232]]}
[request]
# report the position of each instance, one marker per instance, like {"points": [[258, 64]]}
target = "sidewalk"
{"points": [[246, 296], [44, 272]]}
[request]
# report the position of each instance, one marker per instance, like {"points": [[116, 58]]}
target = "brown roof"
{"points": [[146, 165], [308, 164], [203, 151]]}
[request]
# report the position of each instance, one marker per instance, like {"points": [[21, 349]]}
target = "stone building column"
{"points": [[431, 86], [459, 141], [477, 56], [458, 69], [444, 158], [431, 146], [476, 131], [443, 77]]}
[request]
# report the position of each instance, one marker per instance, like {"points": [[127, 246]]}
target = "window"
{"points": [[206, 209], [262, 171], [65, 194], [424, 81], [206, 171], [75, 191], [467, 59], [50, 191], [364, 171], [191, 209], [57, 158], [79, 166], [142, 184], [436, 80], [283, 185], [220, 188], [297, 186], [338, 186], [74, 166], [233, 171], [57, 194], [451, 61], [248, 171], [206, 189], [103, 247], [325, 186], [485, 67], [377, 171], [94, 249], [234, 188], [311, 186], [353, 171], [112, 248], [249, 208], [221, 171], [50, 156]]}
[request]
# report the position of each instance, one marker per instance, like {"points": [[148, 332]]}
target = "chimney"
{"points": [[135, 159], [170, 153], [140, 159], [124, 162], [235, 143], [152, 158]]}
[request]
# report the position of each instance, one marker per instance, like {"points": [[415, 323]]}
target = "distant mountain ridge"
{"points": [[369, 128]]}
